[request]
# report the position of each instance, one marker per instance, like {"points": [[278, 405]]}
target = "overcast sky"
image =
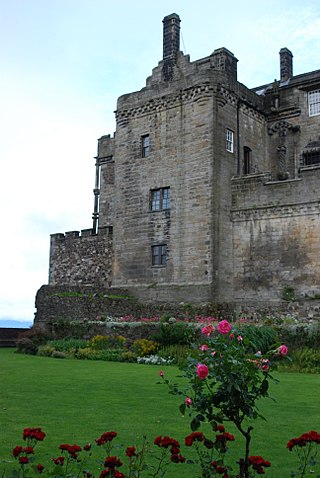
{"points": [[63, 65]]}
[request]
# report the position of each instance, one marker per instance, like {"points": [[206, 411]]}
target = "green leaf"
{"points": [[182, 408], [195, 424]]}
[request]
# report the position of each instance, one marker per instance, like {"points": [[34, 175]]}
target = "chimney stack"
{"points": [[286, 69], [171, 44]]}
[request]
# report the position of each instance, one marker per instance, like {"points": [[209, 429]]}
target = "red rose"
{"points": [[58, 461], [40, 468], [112, 462], [29, 450], [194, 436], [16, 451], [33, 433], [131, 451], [106, 437], [23, 460]]}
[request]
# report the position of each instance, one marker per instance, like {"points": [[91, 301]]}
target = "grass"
{"points": [[75, 401]]}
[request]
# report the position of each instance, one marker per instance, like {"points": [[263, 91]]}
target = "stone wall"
{"points": [[84, 259], [74, 303], [276, 228]]}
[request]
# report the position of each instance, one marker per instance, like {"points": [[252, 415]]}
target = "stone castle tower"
{"points": [[208, 190]]}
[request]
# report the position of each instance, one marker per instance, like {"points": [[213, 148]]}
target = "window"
{"points": [[159, 255], [145, 146], [229, 143], [246, 160], [314, 102], [160, 199]]}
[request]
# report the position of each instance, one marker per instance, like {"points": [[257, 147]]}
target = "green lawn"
{"points": [[76, 401]]}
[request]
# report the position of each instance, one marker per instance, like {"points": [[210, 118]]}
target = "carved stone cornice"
{"points": [[199, 93]]}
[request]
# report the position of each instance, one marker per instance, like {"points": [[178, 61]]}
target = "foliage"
{"points": [[306, 449], [74, 460], [45, 350], [178, 353], [102, 342], [301, 336], [175, 333], [126, 398], [31, 339], [143, 347], [261, 337], [288, 293], [304, 360], [226, 379], [67, 344]]}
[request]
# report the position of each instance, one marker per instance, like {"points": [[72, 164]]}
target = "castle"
{"points": [[207, 191]]}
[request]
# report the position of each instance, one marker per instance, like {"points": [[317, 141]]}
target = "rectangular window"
{"points": [[160, 199], [314, 102], [159, 255], [229, 142], [246, 160], [145, 146]]}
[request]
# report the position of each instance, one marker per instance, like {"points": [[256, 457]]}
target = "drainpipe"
{"points": [[96, 192], [238, 138]]}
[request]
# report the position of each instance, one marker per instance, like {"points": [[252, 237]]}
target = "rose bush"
{"points": [[74, 461], [226, 379]]}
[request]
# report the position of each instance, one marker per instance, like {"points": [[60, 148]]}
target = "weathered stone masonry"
{"points": [[207, 192]]}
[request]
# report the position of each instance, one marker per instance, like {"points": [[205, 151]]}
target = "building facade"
{"points": [[208, 190]]}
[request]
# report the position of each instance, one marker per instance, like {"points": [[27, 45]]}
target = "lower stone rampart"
{"points": [[54, 303]]}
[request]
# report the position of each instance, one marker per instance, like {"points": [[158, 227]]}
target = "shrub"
{"points": [[58, 354], [45, 350], [262, 338], [31, 340], [305, 360], [128, 356], [103, 342], [68, 344], [143, 347], [176, 333], [301, 336], [178, 353]]}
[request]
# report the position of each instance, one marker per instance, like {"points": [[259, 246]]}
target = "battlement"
{"points": [[81, 259]]}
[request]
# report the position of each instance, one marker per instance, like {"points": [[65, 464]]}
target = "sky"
{"points": [[64, 63]]}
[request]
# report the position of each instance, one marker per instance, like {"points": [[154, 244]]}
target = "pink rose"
{"points": [[282, 350], [224, 327], [208, 329], [202, 371], [161, 373], [231, 336], [204, 347], [239, 338], [188, 401]]}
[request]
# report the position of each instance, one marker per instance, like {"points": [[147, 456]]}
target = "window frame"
{"points": [[145, 145], [159, 255], [247, 160], [229, 140], [160, 199], [314, 103]]}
